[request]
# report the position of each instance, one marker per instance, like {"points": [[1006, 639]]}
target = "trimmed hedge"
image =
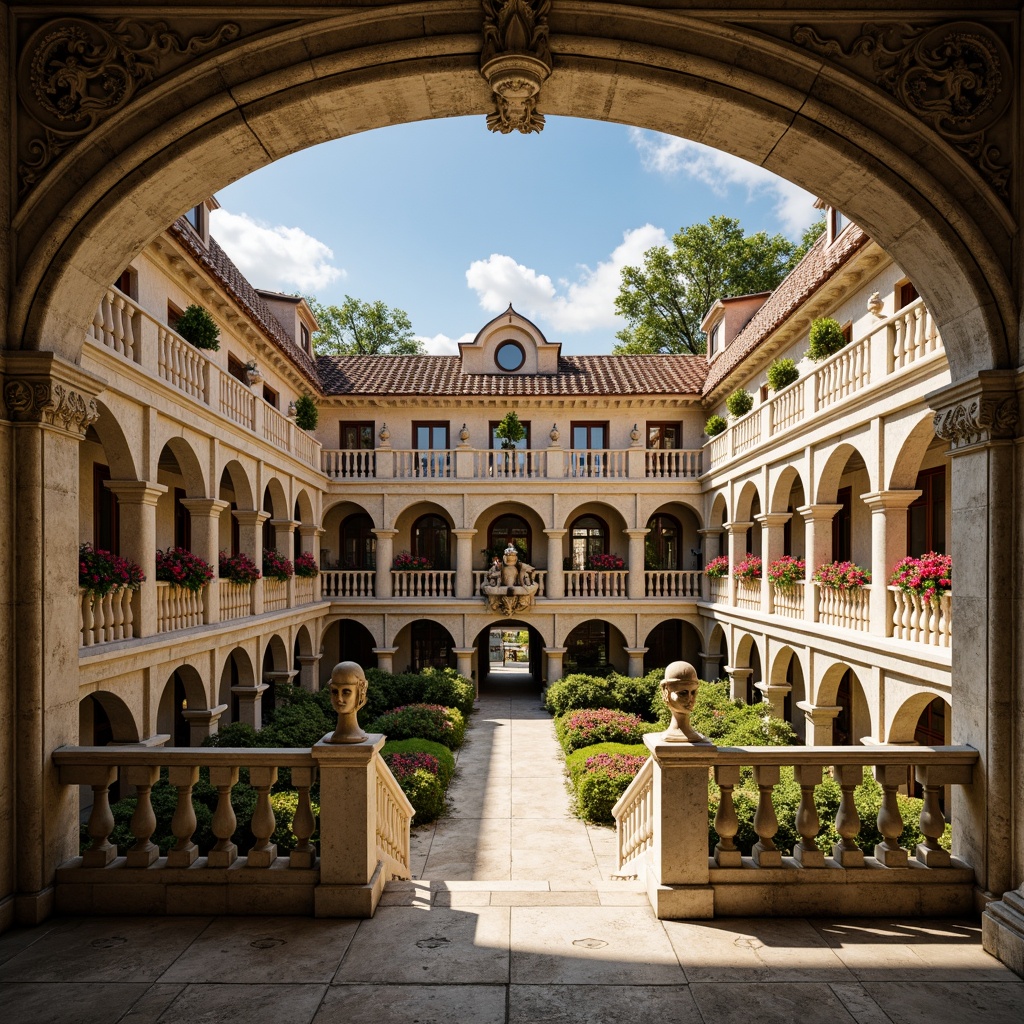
{"points": [[423, 721], [623, 693], [445, 758], [431, 686], [599, 787], [587, 726]]}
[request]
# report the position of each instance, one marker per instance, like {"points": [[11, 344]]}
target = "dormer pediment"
{"points": [[509, 345]]}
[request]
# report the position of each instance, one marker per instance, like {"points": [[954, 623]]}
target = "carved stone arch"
{"points": [[904, 722], [120, 459], [903, 469], [745, 501], [240, 481], [783, 488], [190, 465], [833, 465], [123, 726]]}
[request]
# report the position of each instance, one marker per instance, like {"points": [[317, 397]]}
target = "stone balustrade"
{"points": [[235, 600], [718, 589], [358, 583], [675, 583], [748, 594], [847, 609], [306, 589], [343, 878], [662, 833], [422, 583], [789, 601], [103, 620], [595, 582], [921, 621], [275, 594], [177, 607]]}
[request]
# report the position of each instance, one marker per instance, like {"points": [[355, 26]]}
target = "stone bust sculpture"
{"points": [[509, 586], [679, 689], [348, 695]]}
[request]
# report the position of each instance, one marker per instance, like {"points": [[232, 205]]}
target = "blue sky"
{"points": [[451, 222]]}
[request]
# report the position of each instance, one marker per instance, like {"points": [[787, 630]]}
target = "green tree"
{"points": [[665, 299], [357, 328]]}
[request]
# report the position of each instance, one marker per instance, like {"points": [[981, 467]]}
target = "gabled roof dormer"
{"points": [[508, 345], [727, 317], [294, 315]]}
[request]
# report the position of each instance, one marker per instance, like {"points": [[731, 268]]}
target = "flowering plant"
{"points": [[749, 568], [598, 725], [717, 568], [100, 572], [180, 568], [238, 568], [929, 575], [614, 765], [605, 563], [305, 566], [786, 571], [275, 566], [422, 721], [404, 765], [407, 560], [841, 576]]}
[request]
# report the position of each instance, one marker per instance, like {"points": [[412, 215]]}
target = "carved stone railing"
{"points": [[422, 583], [178, 608], [357, 583], [480, 578], [847, 609], [343, 878], [746, 432], [914, 336], [307, 589], [276, 427], [594, 463], [748, 594], [519, 464], [349, 464], [102, 620], [787, 409], [920, 621], [662, 827], [275, 595], [182, 365], [789, 601], [718, 589], [417, 464], [235, 600], [674, 463], [237, 402], [595, 583], [844, 374], [117, 325], [672, 583]]}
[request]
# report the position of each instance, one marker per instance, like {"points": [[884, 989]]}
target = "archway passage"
{"points": [[509, 654]]}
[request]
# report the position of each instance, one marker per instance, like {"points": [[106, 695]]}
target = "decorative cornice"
{"points": [[41, 388], [977, 420], [516, 60], [956, 77]]}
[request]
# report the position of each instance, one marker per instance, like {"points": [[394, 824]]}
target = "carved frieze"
{"points": [[956, 77], [52, 402], [74, 73], [977, 420], [516, 60]]}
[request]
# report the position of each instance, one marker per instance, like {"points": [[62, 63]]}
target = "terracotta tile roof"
{"points": [[820, 263], [219, 265], [577, 375]]}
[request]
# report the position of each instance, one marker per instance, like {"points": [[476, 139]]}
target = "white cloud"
{"points": [[442, 345], [275, 257], [585, 304], [669, 156]]}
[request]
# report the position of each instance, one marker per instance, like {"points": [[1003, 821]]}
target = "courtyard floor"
{"points": [[513, 918]]}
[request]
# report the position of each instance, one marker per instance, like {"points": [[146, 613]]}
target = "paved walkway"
{"points": [[514, 921]]}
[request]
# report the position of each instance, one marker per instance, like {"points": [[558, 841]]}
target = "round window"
{"points": [[510, 355]]}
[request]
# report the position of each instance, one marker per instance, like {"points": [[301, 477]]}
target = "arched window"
{"points": [[358, 543], [430, 539], [510, 528], [588, 536], [431, 646], [663, 544]]}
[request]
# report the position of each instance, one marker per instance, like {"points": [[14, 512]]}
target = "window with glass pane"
{"points": [[588, 442], [664, 435], [358, 543], [357, 436], [587, 646], [431, 438], [588, 536], [662, 543], [511, 529], [926, 517], [430, 539], [431, 646]]}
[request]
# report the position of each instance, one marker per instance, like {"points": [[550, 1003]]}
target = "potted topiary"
{"points": [[198, 328], [739, 403], [826, 338], [714, 425], [510, 431], [307, 415], [782, 373]]}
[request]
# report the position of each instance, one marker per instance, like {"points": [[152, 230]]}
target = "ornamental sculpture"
{"points": [[679, 690], [516, 61], [348, 695], [977, 420], [510, 584]]}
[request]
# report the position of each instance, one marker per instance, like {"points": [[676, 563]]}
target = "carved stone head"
{"points": [[679, 689], [348, 695]]}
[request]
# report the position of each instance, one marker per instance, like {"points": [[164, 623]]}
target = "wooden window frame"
{"points": [[236, 369], [431, 425], [496, 442], [589, 425], [662, 425], [925, 483], [358, 426], [271, 397]]}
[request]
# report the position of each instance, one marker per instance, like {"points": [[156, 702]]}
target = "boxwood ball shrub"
{"points": [[423, 721], [826, 338], [599, 725], [196, 325], [782, 373], [740, 402], [421, 784], [714, 425]]}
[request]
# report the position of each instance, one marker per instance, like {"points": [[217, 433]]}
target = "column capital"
{"points": [[204, 714], [250, 693], [137, 492], [818, 713], [819, 513], [737, 528], [250, 517], [735, 670], [637, 533], [284, 524], [979, 410], [383, 534], [384, 650], [556, 652], [463, 531], [636, 651], [556, 534], [281, 675], [42, 388], [880, 501], [307, 530], [211, 507], [309, 659], [708, 530], [463, 651], [773, 518]]}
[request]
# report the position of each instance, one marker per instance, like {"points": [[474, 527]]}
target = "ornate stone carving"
{"points": [[74, 73], [679, 691], [51, 402], [977, 420], [956, 77], [510, 585], [515, 60]]}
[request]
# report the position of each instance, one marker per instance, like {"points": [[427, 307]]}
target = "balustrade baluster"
{"points": [[808, 823], [303, 823], [224, 852], [890, 822], [143, 823], [727, 823], [183, 823], [846, 852], [766, 824], [933, 824], [101, 820], [85, 607], [263, 852]]}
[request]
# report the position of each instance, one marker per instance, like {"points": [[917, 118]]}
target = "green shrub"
{"points": [[445, 686], [587, 726], [740, 402], [445, 759], [285, 804], [307, 413], [728, 722], [826, 338], [235, 734], [423, 721], [425, 793], [196, 325], [714, 425], [635, 694], [431, 686], [579, 691], [782, 373], [599, 785]]}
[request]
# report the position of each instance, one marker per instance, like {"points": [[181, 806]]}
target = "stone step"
{"points": [[505, 893]]}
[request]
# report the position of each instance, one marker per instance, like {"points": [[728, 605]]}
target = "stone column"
{"points": [[250, 703], [554, 655], [636, 580], [136, 505], [250, 542], [284, 544], [636, 661], [739, 679], [308, 675], [203, 723], [737, 549], [50, 404], [713, 534], [385, 554], [554, 582], [773, 525], [464, 562], [464, 664], [888, 546], [819, 723], [709, 665], [204, 514], [386, 658], [309, 540], [817, 548], [775, 694]]}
